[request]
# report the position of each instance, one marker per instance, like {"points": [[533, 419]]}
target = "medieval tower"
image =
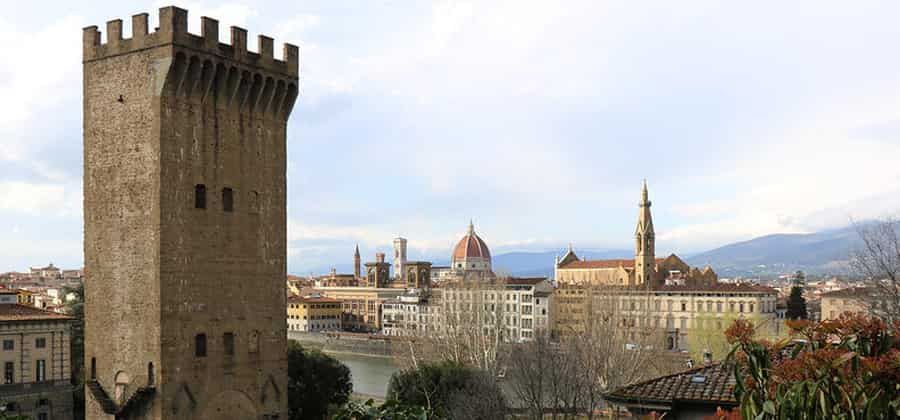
{"points": [[185, 222], [644, 253], [400, 259]]}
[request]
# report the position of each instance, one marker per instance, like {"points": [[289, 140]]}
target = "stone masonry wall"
{"points": [[164, 112]]}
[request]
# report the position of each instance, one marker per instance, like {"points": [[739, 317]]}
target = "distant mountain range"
{"points": [[824, 252]]}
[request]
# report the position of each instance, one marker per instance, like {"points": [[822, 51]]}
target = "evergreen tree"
{"points": [[317, 383], [796, 305]]}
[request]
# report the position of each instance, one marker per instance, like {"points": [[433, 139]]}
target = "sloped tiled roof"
{"points": [[852, 292], [525, 280], [715, 287], [625, 263], [16, 312], [712, 383]]}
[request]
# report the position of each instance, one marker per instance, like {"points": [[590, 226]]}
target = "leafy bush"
{"points": [[449, 390], [390, 410], [844, 368], [316, 381]]}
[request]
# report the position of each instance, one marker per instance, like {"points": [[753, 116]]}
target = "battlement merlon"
{"points": [[173, 30]]}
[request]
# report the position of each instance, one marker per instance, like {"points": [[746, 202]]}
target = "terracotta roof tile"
{"points": [[625, 263], [713, 383], [312, 299], [16, 312], [716, 287]]}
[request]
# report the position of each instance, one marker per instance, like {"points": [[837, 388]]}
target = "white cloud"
{"points": [[34, 199], [33, 79]]}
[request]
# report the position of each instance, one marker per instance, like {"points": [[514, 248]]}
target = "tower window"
{"points": [[228, 339], [93, 368], [200, 345], [200, 196], [151, 374], [227, 199], [254, 202]]}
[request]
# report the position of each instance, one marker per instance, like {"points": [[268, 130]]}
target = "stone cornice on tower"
{"points": [[173, 29], [228, 76]]}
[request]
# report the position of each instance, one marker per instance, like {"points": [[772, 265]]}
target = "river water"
{"points": [[370, 374]]}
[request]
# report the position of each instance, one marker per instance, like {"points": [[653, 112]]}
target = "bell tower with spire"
{"points": [[357, 263], [645, 238]]}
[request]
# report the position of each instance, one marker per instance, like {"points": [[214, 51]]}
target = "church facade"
{"points": [[644, 270], [647, 293]]}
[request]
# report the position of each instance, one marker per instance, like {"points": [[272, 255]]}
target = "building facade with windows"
{"points": [[409, 314], [361, 307], [853, 300], [647, 293], [519, 307], [313, 314], [35, 362]]}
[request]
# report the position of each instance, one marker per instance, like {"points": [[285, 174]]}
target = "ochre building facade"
{"points": [[185, 221]]}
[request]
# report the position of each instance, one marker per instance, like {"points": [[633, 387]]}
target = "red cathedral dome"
{"points": [[471, 252]]}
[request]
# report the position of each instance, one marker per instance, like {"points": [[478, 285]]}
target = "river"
{"points": [[370, 374]]}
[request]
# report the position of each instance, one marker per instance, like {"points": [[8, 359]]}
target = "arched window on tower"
{"points": [[200, 345], [199, 196], [151, 374]]}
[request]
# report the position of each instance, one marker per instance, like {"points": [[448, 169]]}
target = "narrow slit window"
{"points": [[228, 340], [200, 196], [200, 345], [227, 199]]}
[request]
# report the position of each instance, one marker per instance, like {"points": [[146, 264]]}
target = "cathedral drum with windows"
{"points": [[185, 221]]}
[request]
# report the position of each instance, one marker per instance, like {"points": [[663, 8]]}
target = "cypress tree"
{"points": [[796, 305]]}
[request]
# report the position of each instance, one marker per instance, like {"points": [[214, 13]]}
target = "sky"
{"points": [[538, 120]]}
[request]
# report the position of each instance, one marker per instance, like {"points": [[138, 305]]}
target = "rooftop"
{"points": [[851, 292], [716, 287], [312, 299], [16, 312], [712, 383], [586, 264]]}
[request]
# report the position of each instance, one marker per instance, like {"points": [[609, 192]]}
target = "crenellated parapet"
{"points": [[227, 75]]}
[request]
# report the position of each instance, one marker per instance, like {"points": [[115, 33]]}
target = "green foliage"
{"points": [[316, 381], [843, 369], [448, 390], [390, 410], [75, 309], [796, 304], [6, 416]]}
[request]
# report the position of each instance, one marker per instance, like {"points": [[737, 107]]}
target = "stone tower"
{"points": [[357, 262], [400, 259], [185, 222], [644, 253]]}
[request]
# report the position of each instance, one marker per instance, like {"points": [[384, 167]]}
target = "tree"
{"points": [[623, 343], [390, 410], [6, 416], [466, 328], [615, 340], [796, 305], [707, 337], [545, 375], [316, 381], [448, 389], [878, 262], [843, 368], [75, 309]]}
